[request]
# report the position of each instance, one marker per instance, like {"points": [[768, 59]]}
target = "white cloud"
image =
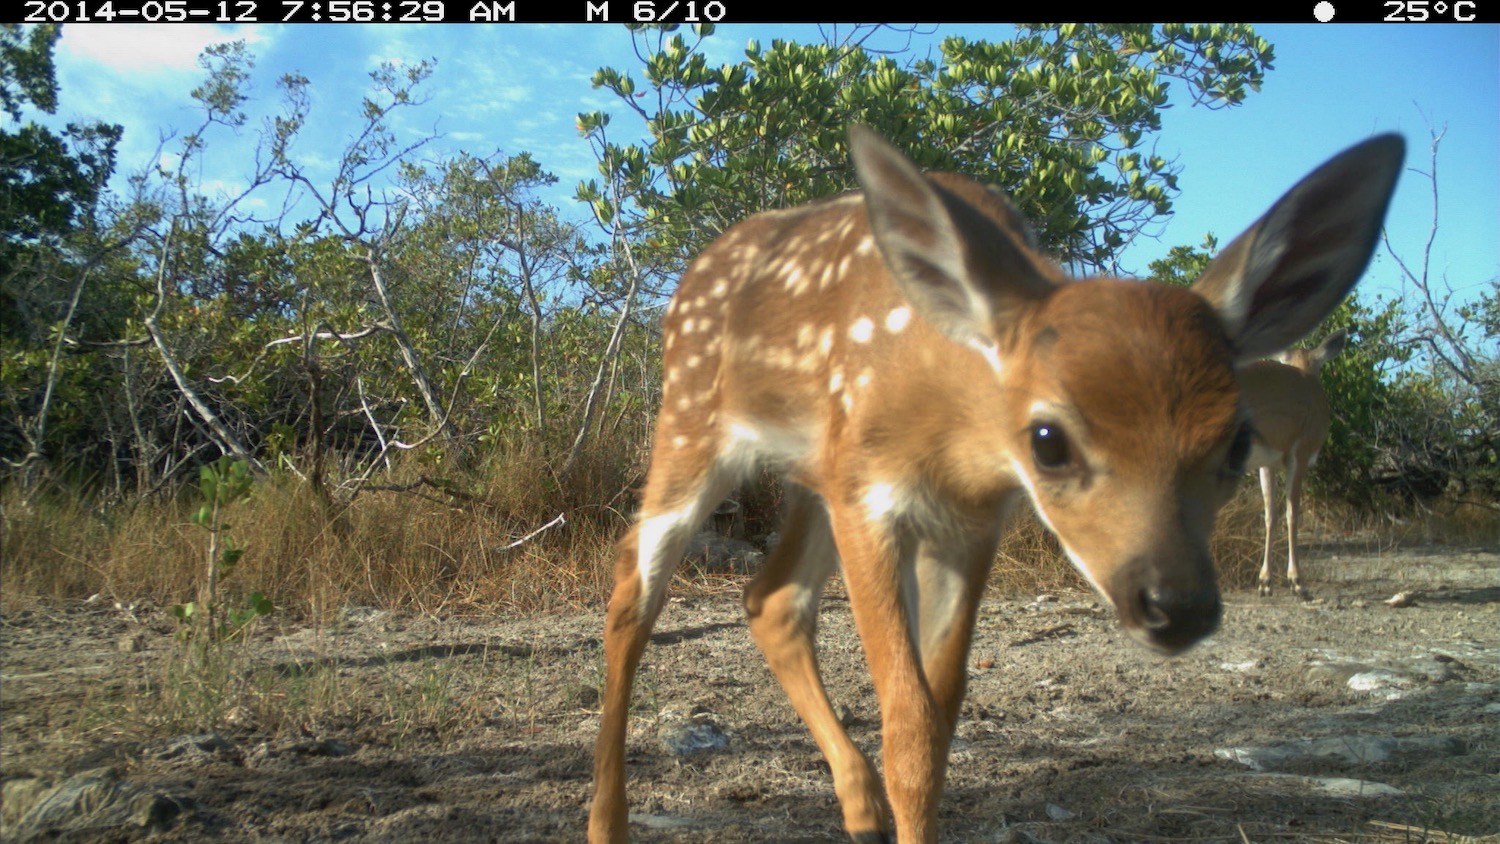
{"points": [[149, 48]]}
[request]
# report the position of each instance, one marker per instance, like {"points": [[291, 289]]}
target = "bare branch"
{"points": [[327, 333], [557, 522], [1453, 352], [612, 348], [205, 413]]}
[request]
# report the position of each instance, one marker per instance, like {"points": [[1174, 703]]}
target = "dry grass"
{"points": [[1458, 523], [419, 548], [1030, 560], [45, 547], [422, 547]]}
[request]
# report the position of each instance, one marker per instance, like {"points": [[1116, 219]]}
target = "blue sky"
{"points": [[518, 87]]}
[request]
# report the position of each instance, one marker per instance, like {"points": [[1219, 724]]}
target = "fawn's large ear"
{"points": [[1279, 279], [960, 270]]}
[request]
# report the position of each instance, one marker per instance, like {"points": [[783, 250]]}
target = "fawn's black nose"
{"points": [[1168, 607]]}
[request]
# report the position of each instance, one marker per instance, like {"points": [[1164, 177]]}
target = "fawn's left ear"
{"points": [[1289, 270]]}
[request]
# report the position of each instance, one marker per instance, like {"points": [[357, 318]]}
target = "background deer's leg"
{"points": [[782, 605], [1268, 493], [1296, 473]]}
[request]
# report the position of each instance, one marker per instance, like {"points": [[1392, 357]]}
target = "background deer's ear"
{"points": [[1331, 346], [1289, 270], [960, 270]]}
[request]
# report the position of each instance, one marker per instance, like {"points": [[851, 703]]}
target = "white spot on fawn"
{"points": [[792, 279], [825, 341], [880, 500], [862, 330], [897, 319]]}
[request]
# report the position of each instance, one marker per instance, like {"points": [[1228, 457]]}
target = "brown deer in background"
{"points": [[1290, 413]]}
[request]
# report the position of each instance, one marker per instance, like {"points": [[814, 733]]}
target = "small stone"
{"points": [[1248, 665], [587, 697], [201, 744], [699, 735], [1376, 680]]}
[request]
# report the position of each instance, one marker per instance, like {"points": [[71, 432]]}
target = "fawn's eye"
{"points": [[1239, 450], [1049, 447]]}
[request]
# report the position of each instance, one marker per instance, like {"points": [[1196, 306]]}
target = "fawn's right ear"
{"points": [[956, 267], [1289, 270]]}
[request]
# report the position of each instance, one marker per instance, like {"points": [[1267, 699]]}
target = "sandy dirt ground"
{"points": [[1339, 719]]}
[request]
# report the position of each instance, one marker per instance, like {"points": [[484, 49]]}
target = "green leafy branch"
{"points": [[221, 484]]}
